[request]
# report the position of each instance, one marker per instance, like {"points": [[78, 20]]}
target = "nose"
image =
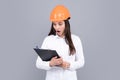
{"points": [[57, 26]]}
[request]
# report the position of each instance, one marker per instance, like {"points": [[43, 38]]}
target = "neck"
{"points": [[62, 36]]}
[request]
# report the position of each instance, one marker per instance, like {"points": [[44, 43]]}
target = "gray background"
{"points": [[25, 23]]}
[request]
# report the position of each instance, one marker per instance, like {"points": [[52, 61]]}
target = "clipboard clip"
{"points": [[37, 47]]}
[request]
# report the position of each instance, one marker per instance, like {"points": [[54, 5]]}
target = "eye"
{"points": [[60, 23], [54, 24]]}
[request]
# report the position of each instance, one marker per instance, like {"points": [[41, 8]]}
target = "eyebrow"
{"points": [[57, 22]]}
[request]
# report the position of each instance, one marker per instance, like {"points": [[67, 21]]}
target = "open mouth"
{"points": [[58, 31]]}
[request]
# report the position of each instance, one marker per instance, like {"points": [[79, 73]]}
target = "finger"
{"points": [[58, 62], [60, 57], [61, 61], [55, 57]]}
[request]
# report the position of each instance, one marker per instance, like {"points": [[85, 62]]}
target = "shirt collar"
{"points": [[58, 37]]}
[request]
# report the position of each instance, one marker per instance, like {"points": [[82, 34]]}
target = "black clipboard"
{"points": [[45, 54]]}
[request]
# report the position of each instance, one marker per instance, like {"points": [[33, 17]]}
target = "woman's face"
{"points": [[59, 27]]}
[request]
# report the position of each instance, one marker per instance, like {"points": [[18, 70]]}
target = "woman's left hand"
{"points": [[65, 65]]}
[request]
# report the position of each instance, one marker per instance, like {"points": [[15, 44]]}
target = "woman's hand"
{"points": [[55, 61], [65, 65]]}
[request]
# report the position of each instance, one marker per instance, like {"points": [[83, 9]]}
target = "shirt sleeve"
{"points": [[40, 64], [79, 57]]}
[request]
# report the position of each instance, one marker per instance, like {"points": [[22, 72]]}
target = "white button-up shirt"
{"points": [[54, 42]]}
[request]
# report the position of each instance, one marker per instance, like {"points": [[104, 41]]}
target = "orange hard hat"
{"points": [[59, 13]]}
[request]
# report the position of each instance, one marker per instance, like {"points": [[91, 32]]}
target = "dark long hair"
{"points": [[67, 33]]}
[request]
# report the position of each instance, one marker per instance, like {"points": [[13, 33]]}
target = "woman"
{"points": [[67, 45]]}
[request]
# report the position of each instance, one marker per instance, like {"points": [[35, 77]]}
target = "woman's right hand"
{"points": [[55, 61]]}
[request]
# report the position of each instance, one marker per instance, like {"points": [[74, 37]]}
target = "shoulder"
{"points": [[48, 38], [75, 37]]}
